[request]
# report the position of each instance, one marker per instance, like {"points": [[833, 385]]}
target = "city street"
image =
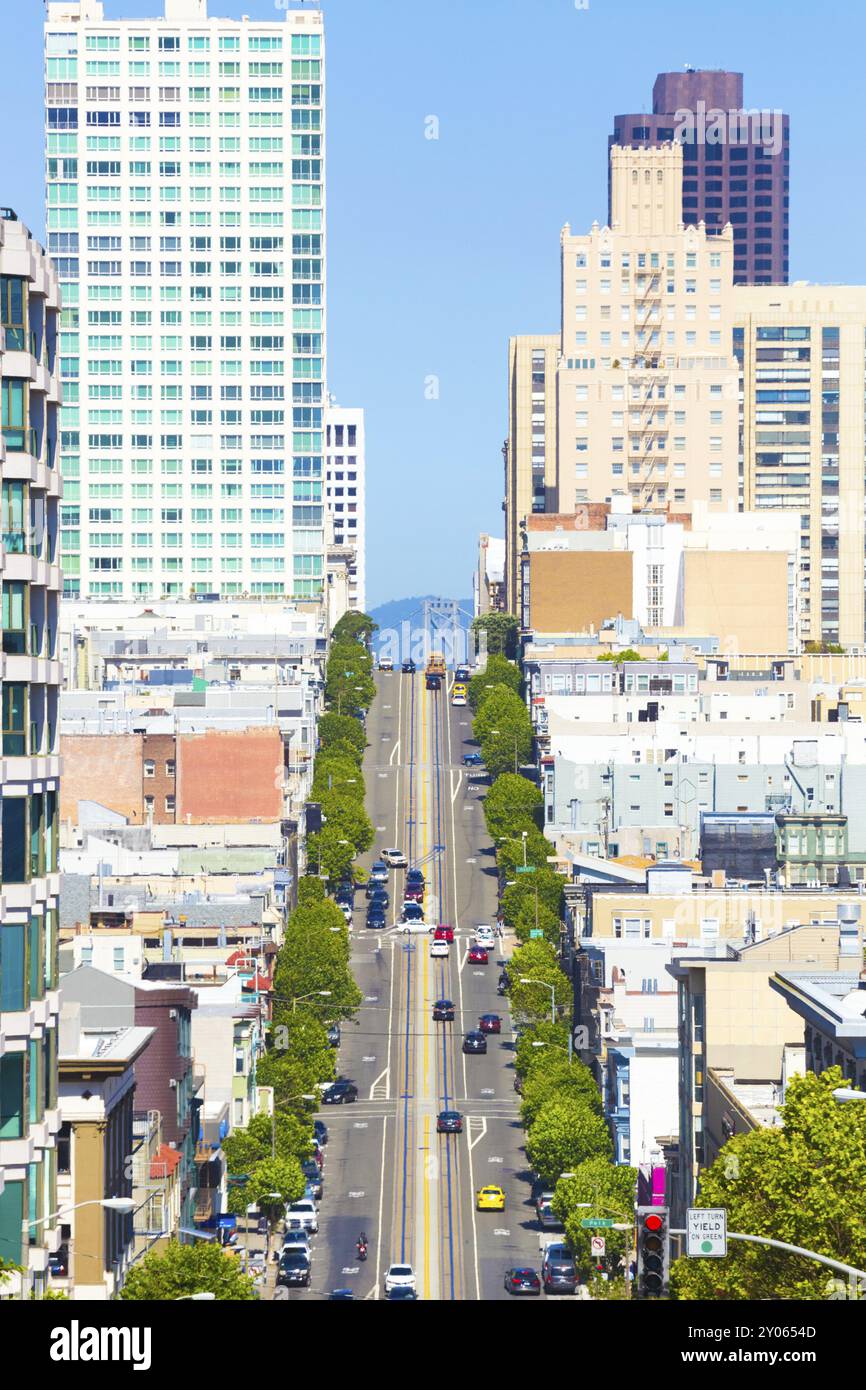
{"points": [[387, 1171]]}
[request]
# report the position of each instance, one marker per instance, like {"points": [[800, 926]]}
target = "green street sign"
{"points": [[536, 931], [526, 869], [589, 1223]]}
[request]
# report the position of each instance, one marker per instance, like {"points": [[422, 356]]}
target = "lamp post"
{"points": [[123, 1205], [559, 1048]]}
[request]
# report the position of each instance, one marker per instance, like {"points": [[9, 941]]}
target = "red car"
{"points": [[477, 955], [490, 1023], [443, 933], [414, 892]]}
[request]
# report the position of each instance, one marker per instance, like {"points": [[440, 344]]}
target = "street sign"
{"points": [[597, 1246], [590, 1222], [707, 1232], [525, 869], [536, 931]]}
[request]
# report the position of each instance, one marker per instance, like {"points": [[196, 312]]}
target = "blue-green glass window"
{"points": [[13, 394], [37, 963], [16, 862], [13, 307], [12, 1096], [13, 968], [15, 509], [14, 719], [37, 834], [15, 617]]}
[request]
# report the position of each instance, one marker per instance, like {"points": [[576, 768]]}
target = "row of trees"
{"points": [[501, 725], [313, 988]]}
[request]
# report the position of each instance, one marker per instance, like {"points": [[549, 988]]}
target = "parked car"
{"points": [[522, 1281], [474, 1042], [402, 1294], [444, 933], [320, 1131], [304, 1212], [297, 1239], [473, 760], [414, 892], [293, 1270], [400, 1276], [449, 1122], [490, 1023], [412, 911], [334, 1034], [415, 876], [313, 1175], [485, 936], [340, 1093], [547, 1219], [395, 858], [477, 955], [558, 1273], [439, 948], [502, 983]]}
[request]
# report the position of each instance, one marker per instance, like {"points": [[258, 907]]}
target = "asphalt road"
{"points": [[387, 1172]]}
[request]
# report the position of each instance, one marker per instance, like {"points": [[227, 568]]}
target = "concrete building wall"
{"points": [[227, 777], [530, 449]]}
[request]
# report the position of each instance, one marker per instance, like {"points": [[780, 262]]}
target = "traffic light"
{"points": [[653, 1252]]}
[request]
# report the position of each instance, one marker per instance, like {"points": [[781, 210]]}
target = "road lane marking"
{"points": [[381, 1200], [472, 1203]]}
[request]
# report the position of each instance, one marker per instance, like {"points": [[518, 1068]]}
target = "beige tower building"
{"points": [[803, 352], [645, 398]]}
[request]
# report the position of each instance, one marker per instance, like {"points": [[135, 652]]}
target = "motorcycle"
{"points": [[362, 1250]]}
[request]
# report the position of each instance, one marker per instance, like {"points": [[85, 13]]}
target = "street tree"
{"points": [[353, 626], [511, 805], [801, 1182], [313, 959], [527, 1057], [610, 1190], [336, 770], [554, 1078], [565, 1133], [530, 1003], [272, 1184], [534, 917], [332, 852], [518, 897], [180, 1270], [303, 1038], [340, 729], [498, 672], [497, 632], [287, 1134]]}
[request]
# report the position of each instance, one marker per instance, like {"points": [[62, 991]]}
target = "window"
{"points": [[149, 767], [14, 719]]}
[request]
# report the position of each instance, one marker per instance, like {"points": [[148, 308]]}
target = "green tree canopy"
{"points": [[552, 1077], [181, 1270], [332, 852], [564, 1134], [516, 852], [497, 672], [802, 1183], [337, 771], [501, 705], [290, 1135], [611, 1189], [291, 1078], [527, 1057], [353, 625], [618, 657], [498, 631], [518, 898], [345, 816], [342, 729], [314, 958], [273, 1182], [536, 961], [511, 805], [303, 1038], [311, 890], [541, 918]]}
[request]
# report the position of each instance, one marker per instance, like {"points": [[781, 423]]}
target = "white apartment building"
{"points": [[30, 767], [345, 494], [186, 214]]}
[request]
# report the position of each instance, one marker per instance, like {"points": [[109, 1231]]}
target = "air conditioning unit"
{"points": [[173, 1084], [172, 1013]]}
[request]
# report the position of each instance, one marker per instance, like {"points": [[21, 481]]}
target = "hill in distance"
{"points": [[399, 610]]}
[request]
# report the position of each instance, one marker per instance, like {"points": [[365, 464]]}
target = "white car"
{"points": [[297, 1239], [438, 948], [485, 936], [400, 1277], [395, 857], [385, 663], [418, 928], [305, 1212]]}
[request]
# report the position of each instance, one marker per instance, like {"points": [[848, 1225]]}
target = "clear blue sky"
{"points": [[441, 249]]}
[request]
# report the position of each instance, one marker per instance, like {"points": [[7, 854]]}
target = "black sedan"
{"points": [[474, 1042], [340, 1093], [519, 1281], [320, 1130], [293, 1269], [409, 668], [449, 1122], [443, 1011], [379, 897]]}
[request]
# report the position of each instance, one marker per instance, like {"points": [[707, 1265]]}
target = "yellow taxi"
{"points": [[490, 1199]]}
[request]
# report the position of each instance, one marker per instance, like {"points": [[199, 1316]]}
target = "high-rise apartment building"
{"points": [[345, 494], [736, 164], [186, 213], [30, 767], [638, 395], [802, 353]]}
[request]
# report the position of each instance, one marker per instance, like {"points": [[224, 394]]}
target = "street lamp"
{"points": [[559, 1048], [194, 1297], [846, 1093], [122, 1205]]}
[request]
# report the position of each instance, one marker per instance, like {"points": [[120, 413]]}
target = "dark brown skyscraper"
{"points": [[735, 164]]}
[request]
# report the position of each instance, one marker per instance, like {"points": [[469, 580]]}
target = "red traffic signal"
{"points": [[653, 1222]]}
